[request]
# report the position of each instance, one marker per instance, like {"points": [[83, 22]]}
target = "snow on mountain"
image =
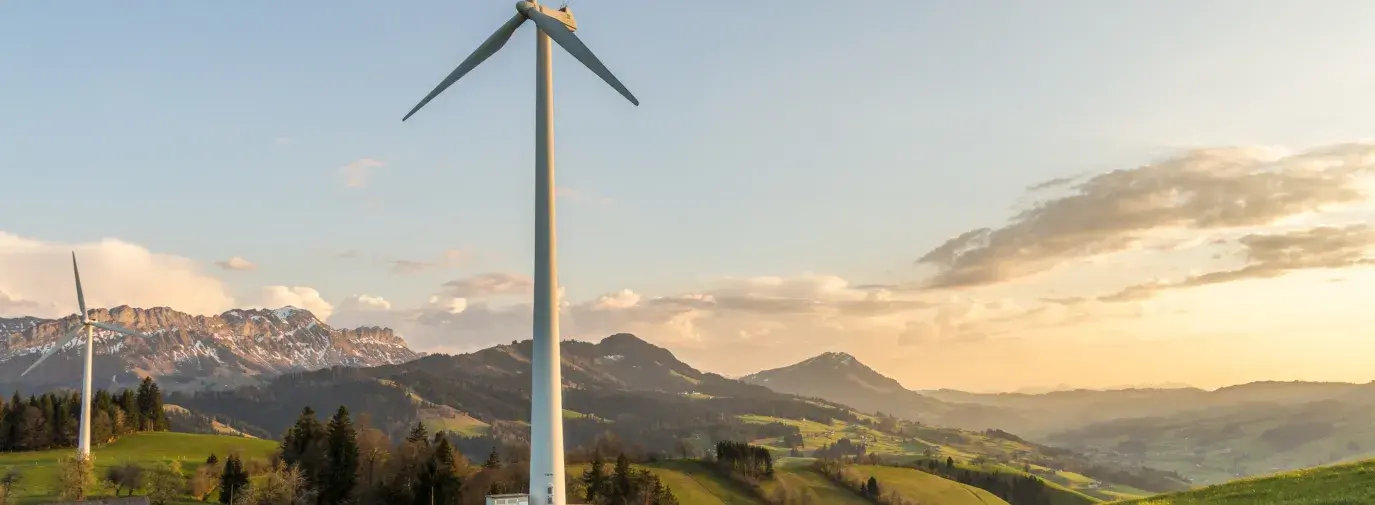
{"points": [[237, 347]]}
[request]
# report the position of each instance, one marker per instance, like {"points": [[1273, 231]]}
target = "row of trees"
{"points": [[1016, 489], [339, 462], [841, 449], [624, 486], [52, 420], [751, 462]]}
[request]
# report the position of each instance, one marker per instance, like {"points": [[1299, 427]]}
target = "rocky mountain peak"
{"points": [[233, 348]]}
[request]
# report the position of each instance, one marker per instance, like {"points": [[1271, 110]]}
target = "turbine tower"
{"points": [[83, 444], [546, 398]]}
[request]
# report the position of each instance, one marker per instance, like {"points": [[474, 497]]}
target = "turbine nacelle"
{"points": [[562, 14], [558, 24]]}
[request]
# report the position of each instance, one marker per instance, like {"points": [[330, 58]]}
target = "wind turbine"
{"points": [[83, 444], [546, 398]]}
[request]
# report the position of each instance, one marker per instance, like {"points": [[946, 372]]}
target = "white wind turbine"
{"points": [[83, 444], [546, 398]]}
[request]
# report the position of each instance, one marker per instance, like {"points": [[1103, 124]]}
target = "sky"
{"points": [[979, 196]]}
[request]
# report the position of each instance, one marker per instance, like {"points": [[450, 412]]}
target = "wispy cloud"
{"points": [[1204, 191], [236, 263], [357, 173], [450, 258], [1273, 255]]}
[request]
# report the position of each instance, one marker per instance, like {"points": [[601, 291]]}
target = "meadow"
{"points": [[40, 468], [1347, 484]]}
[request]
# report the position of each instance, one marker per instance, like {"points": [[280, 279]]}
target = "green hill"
{"points": [[1330, 485], [40, 468], [923, 487], [694, 483]]}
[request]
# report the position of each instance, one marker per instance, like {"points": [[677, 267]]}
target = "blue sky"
{"points": [[845, 138]]}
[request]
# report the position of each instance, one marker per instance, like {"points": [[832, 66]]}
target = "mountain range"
{"points": [[253, 370], [183, 351]]}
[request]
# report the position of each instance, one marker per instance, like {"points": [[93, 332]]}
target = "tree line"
{"points": [[52, 420], [624, 486], [340, 462], [751, 462]]}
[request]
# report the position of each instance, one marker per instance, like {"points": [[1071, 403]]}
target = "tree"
{"points": [[419, 434], [74, 476], [620, 480], [871, 488], [133, 418], [373, 452], [342, 459], [205, 481], [127, 476], [439, 480], [9, 483], [949, 463], [234, 479], [594, 479], [303, 446], [166, 482], [284, 485], [149, 401], [493, 460]]}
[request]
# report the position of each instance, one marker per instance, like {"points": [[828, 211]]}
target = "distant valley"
{"points": [[1209, 436]]}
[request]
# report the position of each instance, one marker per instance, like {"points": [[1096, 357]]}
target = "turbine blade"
{"points": [[117, 329], [570, 42], [53, 350], [489, 47], [80, 298]]}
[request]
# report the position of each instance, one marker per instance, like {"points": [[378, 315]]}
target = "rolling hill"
{"points": [[1220, 444], [839, 377], [1207, 436], [623, 385], [1330, 485]]}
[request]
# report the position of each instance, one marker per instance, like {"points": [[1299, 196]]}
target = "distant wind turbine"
{"points": [[546, 399], [83, 444]]}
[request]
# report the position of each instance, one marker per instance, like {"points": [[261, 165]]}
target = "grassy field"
{"points": [[818, 486], [692, 483], [926, 488], [40, 468], [696, 484], [1348, 484]]}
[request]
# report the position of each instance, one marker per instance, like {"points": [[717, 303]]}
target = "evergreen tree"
{"points": [[419, 434], [594, 479], [149, 404], [621, 486], [234, 480], [493, 460], [342, 458], [440, 479], [303, 446], [872, 488]]}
